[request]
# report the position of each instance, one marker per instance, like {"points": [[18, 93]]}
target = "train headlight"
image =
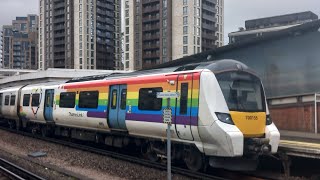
{"points": [[226, 118], [268, 120]]}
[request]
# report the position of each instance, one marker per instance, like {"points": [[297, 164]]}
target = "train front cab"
{"points": [[234, 125]]}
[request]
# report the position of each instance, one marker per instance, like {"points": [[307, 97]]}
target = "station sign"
{"points": [[167, 115], [168, 94]]}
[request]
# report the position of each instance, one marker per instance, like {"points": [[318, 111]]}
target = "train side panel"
{"points": [[10, 103], [32, 103], [79, 117]]}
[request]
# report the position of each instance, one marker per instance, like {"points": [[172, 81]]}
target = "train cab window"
{"points": [[26, 100], [67, 100], [184, 98], [6, 100], [123, 103], [148, 99], [35, 100], [13, 100], [114, 99], [89, 99]]}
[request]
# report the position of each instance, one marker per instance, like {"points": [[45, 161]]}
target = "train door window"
{"points": [[26, 100], [12, 100], [123, 102], [148, 99], [35, 100], [114, 99], [89, 99], [67, 100], [6, 100], [184, 98]]}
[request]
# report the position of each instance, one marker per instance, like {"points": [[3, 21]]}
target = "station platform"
{"points": [[300, 144]]}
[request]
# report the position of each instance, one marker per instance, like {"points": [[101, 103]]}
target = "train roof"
{"points": [[214, 66]]}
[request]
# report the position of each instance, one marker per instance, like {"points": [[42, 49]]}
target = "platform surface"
{"points": [[300, 144]]}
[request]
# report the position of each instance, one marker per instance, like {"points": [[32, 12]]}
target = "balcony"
{"points": [[59, 49], [210, 36], [59, 5], [211, 27], [151, 28], [151, 9], [151, 19], [151, 56], [57, 28], [59, 35], [151, 46], [152, 37], [59, 56], [59, 42], [58, 20], [208, 17], [59, 12], [150, 1]]}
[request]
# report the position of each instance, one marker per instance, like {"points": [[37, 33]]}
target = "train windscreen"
{"points": [[242, 91]]}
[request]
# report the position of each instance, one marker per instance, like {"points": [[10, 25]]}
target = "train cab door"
{"points": [[183, 117], [117, 107], [48, 105], [1, 95]]}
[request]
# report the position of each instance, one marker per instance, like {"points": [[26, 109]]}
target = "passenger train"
{"points": [[221, 118]]}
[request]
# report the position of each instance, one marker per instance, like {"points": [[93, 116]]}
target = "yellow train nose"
{"points": [[251, 124]]}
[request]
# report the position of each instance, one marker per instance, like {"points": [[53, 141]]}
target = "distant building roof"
{"points": [[209, 55], [281, 20]]}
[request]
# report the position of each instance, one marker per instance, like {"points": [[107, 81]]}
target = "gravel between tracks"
{"points": [[61, 161]]}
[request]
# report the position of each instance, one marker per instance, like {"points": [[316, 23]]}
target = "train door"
{"points": [[48, 105], [1, 103], [183, 118], [117, 107]]}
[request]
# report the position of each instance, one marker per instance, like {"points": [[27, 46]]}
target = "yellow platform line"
{"points": [[301, 144]]}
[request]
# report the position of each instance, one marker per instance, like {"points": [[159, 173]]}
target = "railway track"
{"points": [[133, 159], [12, 171]]}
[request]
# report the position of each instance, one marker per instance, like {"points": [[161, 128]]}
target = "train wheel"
{"points": [[194, 159], [149, 153]]}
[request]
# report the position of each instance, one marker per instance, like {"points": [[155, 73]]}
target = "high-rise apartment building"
{"points": [[80, 34], [158, 31], [19, 43]]}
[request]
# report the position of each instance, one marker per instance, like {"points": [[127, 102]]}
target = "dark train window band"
{"points": [[89, 99], [184, 98], [12, 100], [148, 99], [26, 100], [35, 100], [67, 100]]}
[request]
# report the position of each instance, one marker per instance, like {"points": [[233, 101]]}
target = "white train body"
{"points": [[116, 110]]}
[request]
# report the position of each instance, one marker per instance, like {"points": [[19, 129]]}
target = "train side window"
{"points": [[67, 100], [123, 103], [89, 99], [6, 100], [114, 99], [35, 100], [148, 99], [13, 100], [26, 100], [184, 98]]}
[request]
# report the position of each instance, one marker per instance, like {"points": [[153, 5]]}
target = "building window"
{"points": [[148, 99], [185, 20], [185, 2], [88, 99], [185, 10], [185, 29], [12, 100], [185, 49], [185, 39], [67, 100], [26, 100], [35, 100]]}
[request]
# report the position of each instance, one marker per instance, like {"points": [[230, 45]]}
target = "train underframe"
{"points": [[154, 149]]}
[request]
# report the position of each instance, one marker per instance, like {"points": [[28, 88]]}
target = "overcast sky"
{"points": [[236, 11]]}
